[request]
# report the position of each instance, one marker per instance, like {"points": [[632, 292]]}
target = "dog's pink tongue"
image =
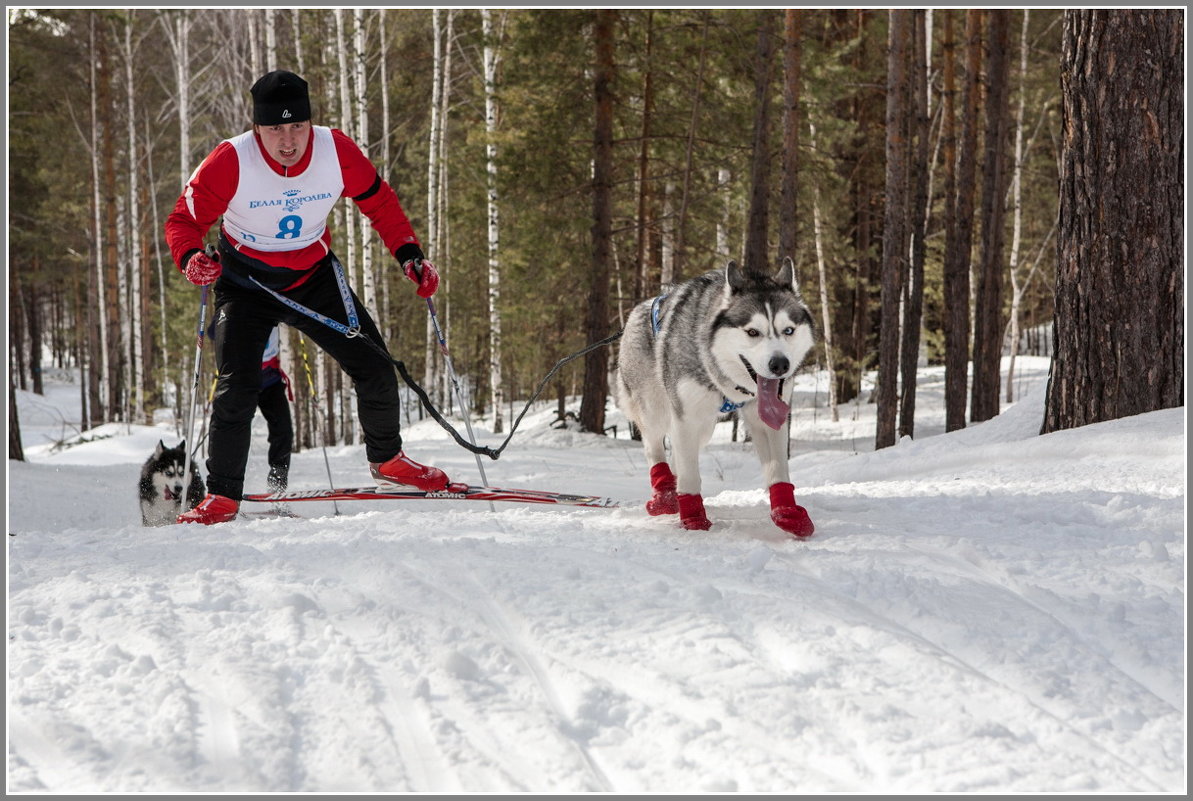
{"points": [[771, 408]]}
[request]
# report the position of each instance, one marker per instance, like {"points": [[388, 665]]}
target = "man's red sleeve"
{"points": [[375, 198], [205, 197]]}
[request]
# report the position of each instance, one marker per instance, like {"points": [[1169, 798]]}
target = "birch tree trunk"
{"points": [[1017, 209], [726, 208], [496, 386], [296, 20], [384, 315], [255, 61], [98, 361], [163, 337], [178, 37], [667, 233], [444, 233], [348, 414], [825, 314], [346, 126], [431, 378], [271, 40], [136, 323], [368, 279]]}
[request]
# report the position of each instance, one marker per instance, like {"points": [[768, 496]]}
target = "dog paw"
{"points": [[663, 503], [691, 513], [794, 520]]}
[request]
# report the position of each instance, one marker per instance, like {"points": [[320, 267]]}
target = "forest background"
{"points": [[558, 166]]}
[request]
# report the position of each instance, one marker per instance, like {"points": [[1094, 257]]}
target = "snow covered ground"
{"points": [[982, 611]]}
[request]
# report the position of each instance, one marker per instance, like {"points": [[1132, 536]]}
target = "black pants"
{"points": [[243, 320], [275, 408]]}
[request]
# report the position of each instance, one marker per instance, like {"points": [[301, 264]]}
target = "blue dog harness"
{"points": [[656, 312]]}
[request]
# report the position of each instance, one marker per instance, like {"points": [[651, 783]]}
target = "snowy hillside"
{"points": [[982, 611]]}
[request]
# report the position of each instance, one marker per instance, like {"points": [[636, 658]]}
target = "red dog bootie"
{"points": [[663, 481], [691, 512], [786, 513]]}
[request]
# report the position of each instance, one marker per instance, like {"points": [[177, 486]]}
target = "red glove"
{"points": [[201, 269], [423, 273]]}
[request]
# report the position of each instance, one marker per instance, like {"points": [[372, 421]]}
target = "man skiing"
{"points": [[274, 187]]}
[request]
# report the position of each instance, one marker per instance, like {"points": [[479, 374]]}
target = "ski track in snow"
{"points": [[987, 611]]}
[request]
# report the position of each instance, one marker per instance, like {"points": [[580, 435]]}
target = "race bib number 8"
{"points": [[289, 227]]}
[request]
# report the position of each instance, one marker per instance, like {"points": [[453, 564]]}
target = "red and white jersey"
{"points": [[271, 211], [278, 215]]}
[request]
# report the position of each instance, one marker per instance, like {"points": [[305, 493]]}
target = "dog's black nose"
{"points": [[778, 365]]}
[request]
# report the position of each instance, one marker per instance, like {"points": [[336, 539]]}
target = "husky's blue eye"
{"points": [[788, 331]]}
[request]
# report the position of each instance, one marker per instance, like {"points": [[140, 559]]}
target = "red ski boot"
{"points": [[212, 509], [787, 515], [663, 482], [403, 470]]}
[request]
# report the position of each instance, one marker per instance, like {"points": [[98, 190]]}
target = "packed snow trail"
{"points": [[983, 611]]}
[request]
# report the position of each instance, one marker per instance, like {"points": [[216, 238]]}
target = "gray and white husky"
{"points": [[721, 341], [160, 486]]}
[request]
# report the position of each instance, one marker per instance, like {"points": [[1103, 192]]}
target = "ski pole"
{"points": [[190, 423], [451, 373], [311, 386]]}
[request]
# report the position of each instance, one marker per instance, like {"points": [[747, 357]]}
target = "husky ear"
{"points": [[734, 280], [161, 446], [786, 275]]}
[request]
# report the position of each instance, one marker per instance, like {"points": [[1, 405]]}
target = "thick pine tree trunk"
{"points": [[894, 226], [913, 289], [988, 326], [1119, 325], [756, 229], [680, 255], [642, 272], [117, 390], [788, 214], [596, 363], [15, 451], [959, 230]]}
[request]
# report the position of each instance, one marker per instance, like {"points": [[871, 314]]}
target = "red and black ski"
{"points": [[453, 492]]}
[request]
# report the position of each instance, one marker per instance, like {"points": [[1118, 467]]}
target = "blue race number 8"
{"points": [[289, 227]]}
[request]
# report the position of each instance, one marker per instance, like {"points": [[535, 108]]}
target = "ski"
{"points": [[453, 492]]}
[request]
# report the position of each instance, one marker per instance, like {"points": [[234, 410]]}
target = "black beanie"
{"points": [[280, 97]]}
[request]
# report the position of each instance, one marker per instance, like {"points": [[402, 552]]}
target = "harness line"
{"points": [[352, 330]]}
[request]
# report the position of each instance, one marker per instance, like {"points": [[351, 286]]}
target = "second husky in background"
{"points": [[722, 341], [160, 487]]}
